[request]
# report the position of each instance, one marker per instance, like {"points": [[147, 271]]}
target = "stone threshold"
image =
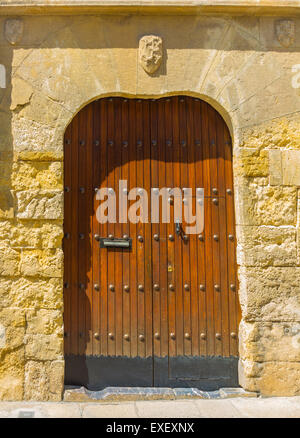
{"points": [[117, 394]]}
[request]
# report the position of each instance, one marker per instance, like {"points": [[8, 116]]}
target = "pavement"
{"points": [[237, 407]]}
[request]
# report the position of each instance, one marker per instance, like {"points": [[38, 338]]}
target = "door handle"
{"points": [[178, 228]]}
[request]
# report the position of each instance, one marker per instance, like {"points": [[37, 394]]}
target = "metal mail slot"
{"points": [[115, 243]]}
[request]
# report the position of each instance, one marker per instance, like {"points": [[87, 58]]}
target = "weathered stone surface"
{"points": [[21, 93], [270, 294], [266, 205], [36, 175], [12, 321], [267, 342], [44, 321], [31, 234], [270, 378], [44, 380], [267, 246], [12, 368], [39, 204], [252, 163], [9, 260], [43, 347], [45, 263], [31, 292]]}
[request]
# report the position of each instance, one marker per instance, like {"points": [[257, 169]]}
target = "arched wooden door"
{"points": [[164, 312]]}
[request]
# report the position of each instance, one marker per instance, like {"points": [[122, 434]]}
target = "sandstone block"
{"points": [[43, 347], [12, 367], [9, 260], [267, 246], [44, 380], [270, 294], [44, 321], [39, 204], [12, 322], [252, 163], [28, 175], [47, 263]]}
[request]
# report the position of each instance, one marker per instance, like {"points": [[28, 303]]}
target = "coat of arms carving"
{"points": [[13, 30], [285, 32], [150, 53]]}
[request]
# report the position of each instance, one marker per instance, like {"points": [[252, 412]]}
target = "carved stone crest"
{"points": [[150, 53], [13, 30], [285, 32]]}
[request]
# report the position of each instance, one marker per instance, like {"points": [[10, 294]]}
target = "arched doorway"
{"points": [[145, 303]]}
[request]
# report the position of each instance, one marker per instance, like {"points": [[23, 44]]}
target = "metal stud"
{"points": [[66, 334], [215, 201], [68, 141], [218, 336], [96, 287], [203, 336], [169, 143], [140, 287], [171, 237], [97, 335], [141, 338], [216, 237], [171, 201], [111, 236], [96, 142], [183, 143], [217, 287], [212, 143], [232, 287], [126, 288], [140, 238], [233, 335], [201, 237], [126, 337], [185, 238], [156, 286], [81, 286], [96, 189], [81, 190], [81, 236], [67, 235], [66, 285], [197, 142], [181, 100], [187, 336], [125, 236], [97, 237], [67, 189], [125, 144], [111, 335], [230, 236], [82, 142], [111, 287], [202, 287], [156, 237], [172, 336], [215, 191], [186, 287], [229, 191], [110, 142], [154, 142], [156, 335], [139, 143], [171, 286]]}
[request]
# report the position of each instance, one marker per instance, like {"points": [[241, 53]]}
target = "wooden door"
{"points": [[165, 311]]}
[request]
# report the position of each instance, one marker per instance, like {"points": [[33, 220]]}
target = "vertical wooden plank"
{"points": [[88, 226], [164, 290], [140, 225], [74, 237], [147, 292], [193, 262], [133, 229], [96, 280], [157, 287], [184, 174], [201, 256], [67, 246], [178, 242], [171, 259], [126, 255], [103, 182]]}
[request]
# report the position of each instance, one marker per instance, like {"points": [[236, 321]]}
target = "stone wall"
{"points": [[58, 65]]}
